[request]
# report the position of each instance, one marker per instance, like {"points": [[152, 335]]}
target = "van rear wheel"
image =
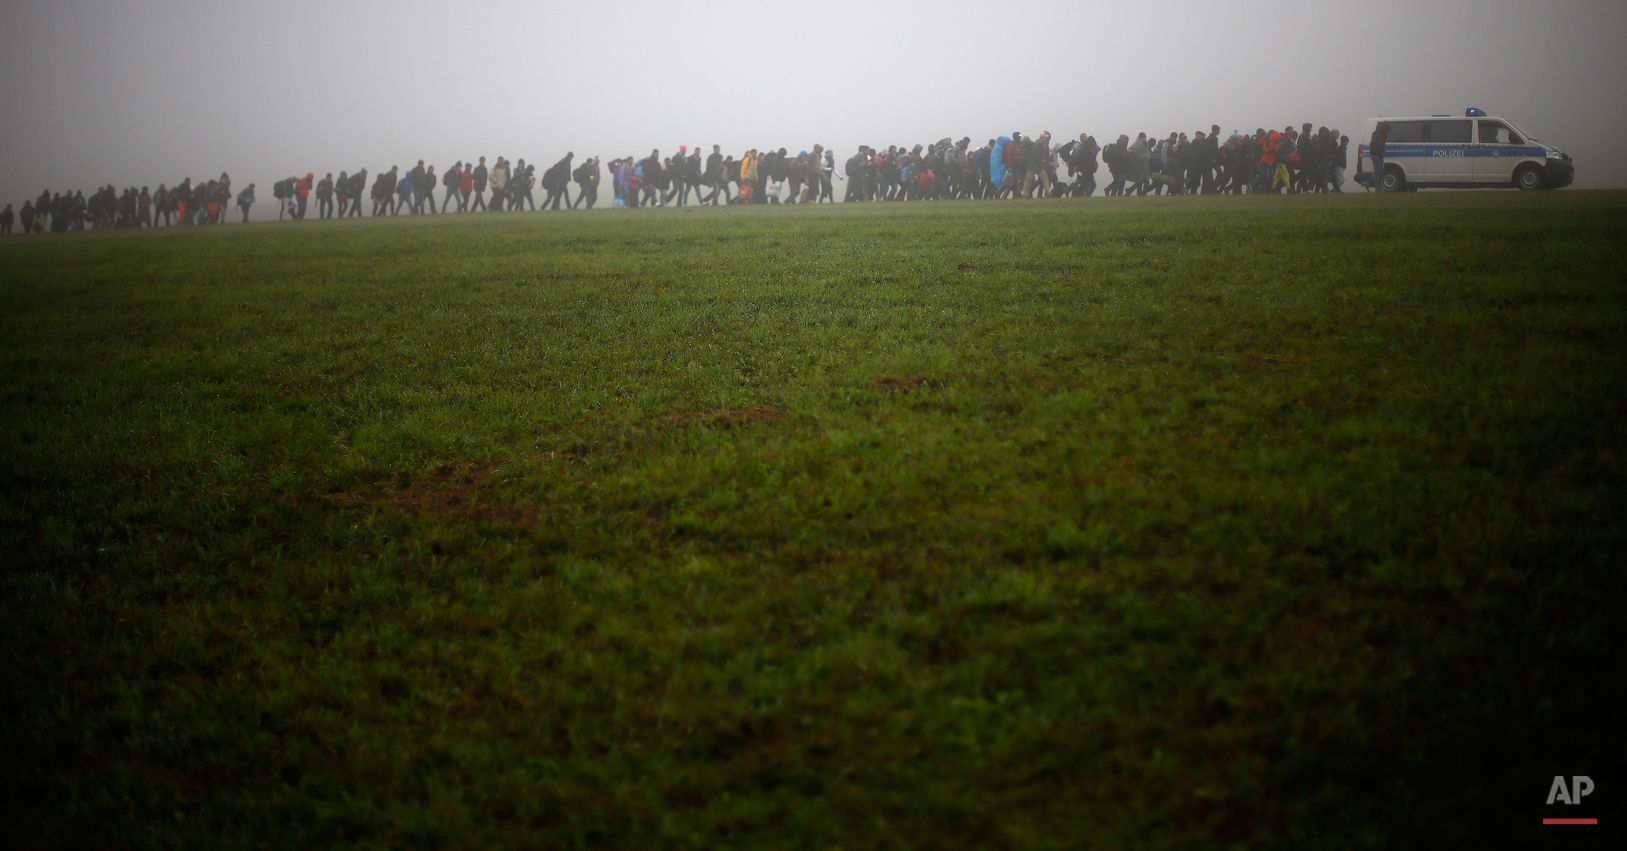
{"points": [[1528, 178], [1392, 180]]}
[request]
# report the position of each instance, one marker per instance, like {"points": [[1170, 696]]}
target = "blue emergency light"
{"points": [[1474, 111]]}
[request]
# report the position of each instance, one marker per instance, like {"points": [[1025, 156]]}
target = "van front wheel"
{"points": [[1528, 178], [1391, 180]]}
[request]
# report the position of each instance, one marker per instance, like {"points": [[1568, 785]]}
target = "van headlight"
{"points": [[1557, 155]]}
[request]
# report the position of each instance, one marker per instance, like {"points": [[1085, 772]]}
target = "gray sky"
{"points": [[138, 93]]}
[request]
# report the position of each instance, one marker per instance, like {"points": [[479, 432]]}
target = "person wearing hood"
{"points": [[1138, 165], [677, 174], [182, 195], [1035, 159], [453, 178], [302, 191], [245, 200], [499, 184], [586, 176], [523, 179], [1116, 158], [478, 180], [403, 192], [1085, 164], [383, 191], [715, 178], [466, 187], [324, 197], [748, 168], [1375, 152], [626, 189], [557, 180]]}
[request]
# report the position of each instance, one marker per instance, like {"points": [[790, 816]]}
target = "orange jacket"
{"points": [[1268, 150]]}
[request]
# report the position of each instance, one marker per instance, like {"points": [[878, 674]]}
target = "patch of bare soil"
{"points": [[448, 492], [725, 418], [897, 383]]}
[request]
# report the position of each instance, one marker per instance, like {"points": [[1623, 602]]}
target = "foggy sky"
{"points": [[142, 93]]}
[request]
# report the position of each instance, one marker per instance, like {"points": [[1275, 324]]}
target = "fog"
{"points": [[134, 93]]}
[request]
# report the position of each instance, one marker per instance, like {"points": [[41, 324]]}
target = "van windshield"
{"points": [[1519, 131]]}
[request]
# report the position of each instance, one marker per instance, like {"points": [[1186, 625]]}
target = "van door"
{"points": [[1450, 143], [1498, 150]]}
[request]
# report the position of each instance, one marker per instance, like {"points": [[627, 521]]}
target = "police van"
{"points": [[1475, 151]]}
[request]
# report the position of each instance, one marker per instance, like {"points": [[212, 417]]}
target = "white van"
{"points": [[1463, 153]]}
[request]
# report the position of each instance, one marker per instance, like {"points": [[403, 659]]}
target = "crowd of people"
{"points": [[203, 203], [1015, 166]]}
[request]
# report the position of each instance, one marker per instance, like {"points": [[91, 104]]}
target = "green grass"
{"points": [[1186, 523]]}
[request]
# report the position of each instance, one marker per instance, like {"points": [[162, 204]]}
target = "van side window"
{"points": [[1450, 131], [1498, 133], [1406, 131]]}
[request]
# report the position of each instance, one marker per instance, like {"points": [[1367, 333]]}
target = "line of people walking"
{"points": [[1008, 166], [186, 203]]}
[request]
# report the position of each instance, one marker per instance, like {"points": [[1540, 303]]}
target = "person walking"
{"points": [[587, 182], [245, 200], [499, 184], [358, 187], [454, 176], [302, 194], [1375, 150], [324, 197], [1338, 161], [557, 179], [479, 181], [5, 221], [466, 186], [521, 182], [384, 191], [404, 189]]}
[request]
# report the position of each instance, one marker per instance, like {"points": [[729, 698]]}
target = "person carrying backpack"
{"points": [[357, 187], [280, 192]]}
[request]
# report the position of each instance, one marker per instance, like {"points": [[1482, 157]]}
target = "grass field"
{"points": [[1154, 523]]}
